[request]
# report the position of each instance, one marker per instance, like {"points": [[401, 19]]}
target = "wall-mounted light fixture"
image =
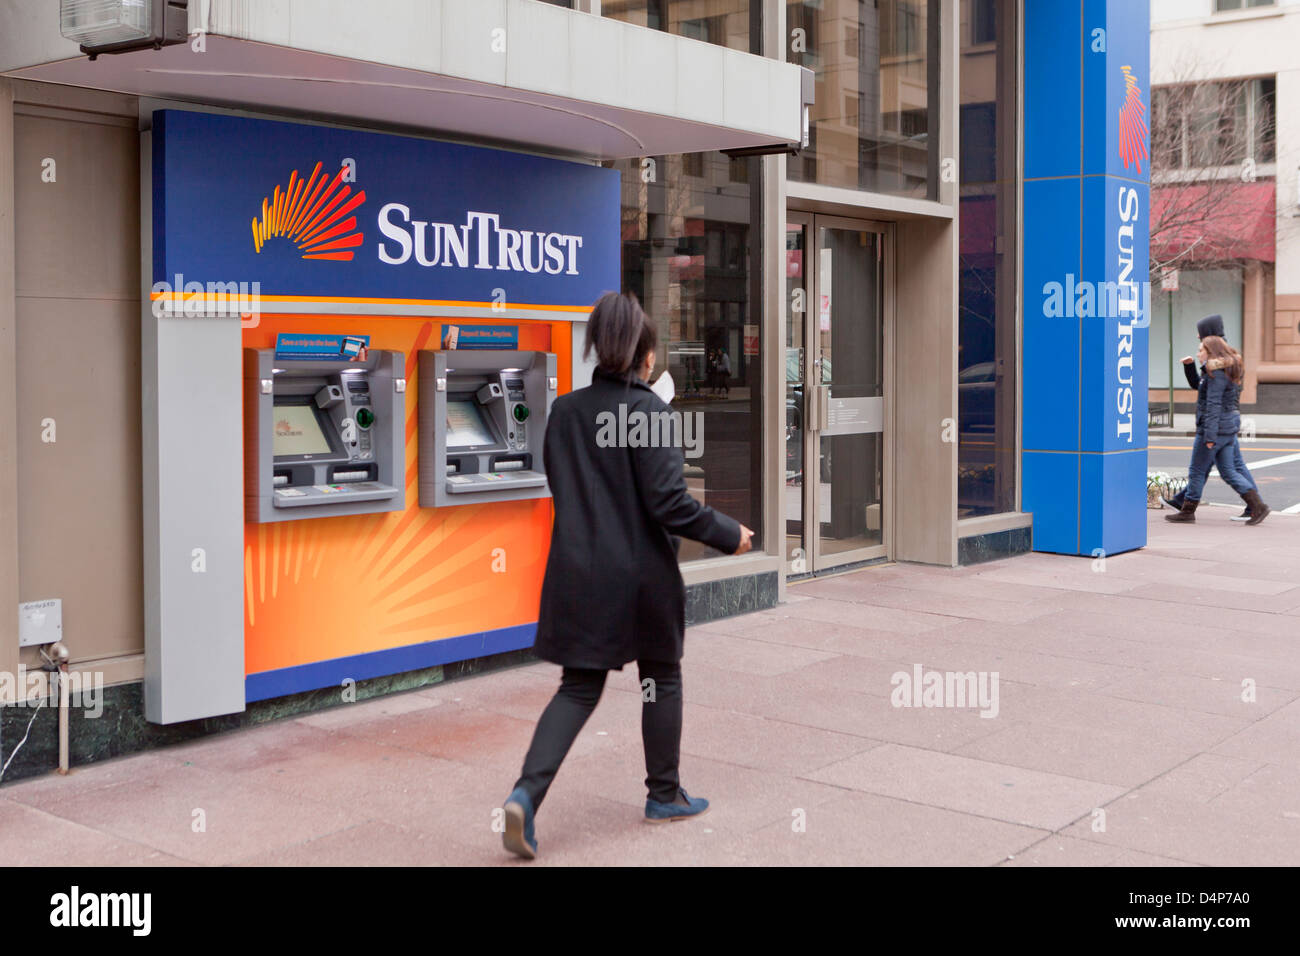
{"points": [[119, 26]]}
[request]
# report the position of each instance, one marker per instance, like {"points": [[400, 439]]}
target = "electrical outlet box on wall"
{"points": [[40, 622]]}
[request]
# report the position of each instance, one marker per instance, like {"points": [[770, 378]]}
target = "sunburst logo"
{"points": [[314, 213], [1132, 123]]}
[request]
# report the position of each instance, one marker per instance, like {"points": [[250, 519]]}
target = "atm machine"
{"points": [[482, 421], [323, 437]]}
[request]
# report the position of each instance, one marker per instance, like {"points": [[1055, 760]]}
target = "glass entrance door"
{"points": [[837, 507]]}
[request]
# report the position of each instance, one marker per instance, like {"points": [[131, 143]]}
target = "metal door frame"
{"points": [[816, 561]]}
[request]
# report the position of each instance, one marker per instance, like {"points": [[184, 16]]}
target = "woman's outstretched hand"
{"points": [[745, 543]]}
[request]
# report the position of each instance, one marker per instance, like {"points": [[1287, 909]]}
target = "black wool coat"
{"points": [[613, 592]]}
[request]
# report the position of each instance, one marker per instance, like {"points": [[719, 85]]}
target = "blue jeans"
{"points": [[1222, 456], [1239, 463]]}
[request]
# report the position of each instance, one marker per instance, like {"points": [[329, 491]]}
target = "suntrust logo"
{"points": [[1132, 123], [1130, 307], [315, 214], [481, 238]]}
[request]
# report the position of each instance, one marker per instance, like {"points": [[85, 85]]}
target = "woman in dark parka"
{"points": [[613, 592], [1218, 419]]}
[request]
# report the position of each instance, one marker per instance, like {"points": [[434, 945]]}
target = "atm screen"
{"points": [[298, 432], [466, 425]]}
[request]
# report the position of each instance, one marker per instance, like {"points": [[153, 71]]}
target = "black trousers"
{"points": [[565, 715]]}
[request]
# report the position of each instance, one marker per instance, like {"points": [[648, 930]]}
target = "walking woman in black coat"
{"points": [[613, 592]]}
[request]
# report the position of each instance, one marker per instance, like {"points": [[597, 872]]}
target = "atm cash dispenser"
{"points": [[482, 421], [323, 437]]}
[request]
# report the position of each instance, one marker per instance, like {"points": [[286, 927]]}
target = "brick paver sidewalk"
{"points": [[1121, 737]]}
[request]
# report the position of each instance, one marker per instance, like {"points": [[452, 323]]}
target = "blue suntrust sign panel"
{"points": [[316, 211], [1087, 312], [1115, 329]]}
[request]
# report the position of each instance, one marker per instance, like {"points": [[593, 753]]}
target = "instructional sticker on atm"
{"points": [[480, 336], [316, 346]]}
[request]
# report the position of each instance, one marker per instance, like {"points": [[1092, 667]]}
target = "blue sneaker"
{"points": [[518, 836], [656, 812]]}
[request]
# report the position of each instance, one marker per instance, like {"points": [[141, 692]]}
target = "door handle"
{"points": [[818, 407]]}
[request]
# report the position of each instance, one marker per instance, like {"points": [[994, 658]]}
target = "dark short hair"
{"points": [[620, 333]]}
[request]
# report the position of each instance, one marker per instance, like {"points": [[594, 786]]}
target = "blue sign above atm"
{"points": [[304, 212]]}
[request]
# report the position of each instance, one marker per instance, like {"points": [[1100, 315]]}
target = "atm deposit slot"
{"points": [[482, 421], [323, 437]]}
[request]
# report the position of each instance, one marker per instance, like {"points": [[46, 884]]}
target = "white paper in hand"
{"points": [[665, 388]]}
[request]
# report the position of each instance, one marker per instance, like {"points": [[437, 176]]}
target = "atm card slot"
{"points": [[511, 463], [462, 464], [346, 473]]}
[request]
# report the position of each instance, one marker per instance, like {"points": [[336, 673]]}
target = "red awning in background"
{"points": [[1238, 222], [979, 231]]}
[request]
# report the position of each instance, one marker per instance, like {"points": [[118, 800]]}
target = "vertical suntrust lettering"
{"points": [[481, 242], [1129, 311]]}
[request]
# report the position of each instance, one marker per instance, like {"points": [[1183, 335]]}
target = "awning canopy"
{"points": [[1214, 221], [518, 73]]}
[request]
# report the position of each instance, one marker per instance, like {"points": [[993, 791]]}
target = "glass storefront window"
{"points": [[875, 123], [691, 253], [729, 23], [986, 382]]}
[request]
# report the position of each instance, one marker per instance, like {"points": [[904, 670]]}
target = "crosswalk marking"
{"points": [[1270, 462]]}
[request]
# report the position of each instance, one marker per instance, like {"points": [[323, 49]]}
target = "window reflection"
{"points": [[876, 67], [691, 254], [730, 23], [986, 386]]}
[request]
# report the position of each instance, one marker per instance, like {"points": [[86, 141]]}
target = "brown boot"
{"points": [[1258, 510], [1186, 513]]}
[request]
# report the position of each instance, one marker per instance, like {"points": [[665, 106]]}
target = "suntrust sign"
{"points": [[481, 238], [318, 212], [1085, 225], [1130, 303]]}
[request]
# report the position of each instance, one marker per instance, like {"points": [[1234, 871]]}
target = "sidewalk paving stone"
{"points": [[1030, 798], [1119, 689]]}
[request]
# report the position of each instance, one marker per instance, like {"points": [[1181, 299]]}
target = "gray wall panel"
{"points": [[193, 454]]}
